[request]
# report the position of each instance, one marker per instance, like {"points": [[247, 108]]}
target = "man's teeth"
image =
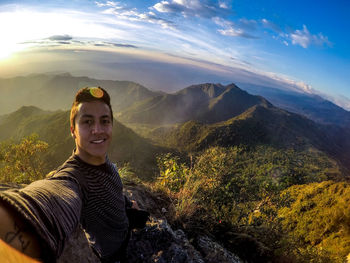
{"points": [[98, 141]]}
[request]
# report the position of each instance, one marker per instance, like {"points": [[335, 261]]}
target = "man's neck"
{"points": [[93, 160]]}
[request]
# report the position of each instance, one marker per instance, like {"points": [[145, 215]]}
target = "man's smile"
{"points": [[98, 141]]}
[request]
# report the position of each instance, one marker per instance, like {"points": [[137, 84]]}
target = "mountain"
{"points": [[54, 92], [311, 106], [266, 125], [53, 128], [207, 103]]}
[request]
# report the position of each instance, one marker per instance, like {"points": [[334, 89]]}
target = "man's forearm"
{"points": [[50, 210], [14, 232]]}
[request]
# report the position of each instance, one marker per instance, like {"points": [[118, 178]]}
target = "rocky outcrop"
{"points": [[157, 242]]}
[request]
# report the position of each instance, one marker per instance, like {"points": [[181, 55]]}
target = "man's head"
{"points": [[87, 95], [91, 121]]}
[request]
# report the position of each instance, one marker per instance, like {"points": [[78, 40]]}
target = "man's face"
{"points": [[92, 131]]}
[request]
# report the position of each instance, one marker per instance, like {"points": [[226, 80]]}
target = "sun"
{"points": [[7, 49], [12, 33]]}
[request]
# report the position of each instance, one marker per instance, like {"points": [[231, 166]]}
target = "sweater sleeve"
{"points": [[51, 206]]}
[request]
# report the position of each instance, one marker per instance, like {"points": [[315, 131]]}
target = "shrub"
{"points": [[22, 162]]}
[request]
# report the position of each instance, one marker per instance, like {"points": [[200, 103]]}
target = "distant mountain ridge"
{"points": [[311, 106], [53, 92], [208, 103], [259, 125]]}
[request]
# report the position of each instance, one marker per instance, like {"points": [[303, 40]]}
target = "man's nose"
{"points": [[97, 128]]}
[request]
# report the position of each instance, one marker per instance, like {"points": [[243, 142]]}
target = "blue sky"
{"points": [[298, 45]]}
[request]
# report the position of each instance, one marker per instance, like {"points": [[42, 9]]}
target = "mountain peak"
{"points": [[206, 102], [209, 90]]}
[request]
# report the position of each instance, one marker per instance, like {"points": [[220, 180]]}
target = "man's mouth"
{"points": [[98, 141]]}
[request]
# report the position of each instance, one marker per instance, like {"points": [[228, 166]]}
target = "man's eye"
{"points": [[106, 121], [88, 122]]}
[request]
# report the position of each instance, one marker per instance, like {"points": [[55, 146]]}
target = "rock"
{"points": [[213, 252], [157, 242], [77, 249]]}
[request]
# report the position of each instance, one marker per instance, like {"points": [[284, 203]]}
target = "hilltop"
{"points": [[208, 103]]}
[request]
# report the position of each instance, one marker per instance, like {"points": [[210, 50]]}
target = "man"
{"points": [[86, 189]]}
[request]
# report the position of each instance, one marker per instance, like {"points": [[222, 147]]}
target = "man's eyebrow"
{"points": [[92, 116], [87, 116]]}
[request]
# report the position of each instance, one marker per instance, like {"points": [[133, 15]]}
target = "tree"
{"points": [[22, 162]]}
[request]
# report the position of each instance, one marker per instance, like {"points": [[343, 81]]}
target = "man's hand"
{"points": [[14, 232]]}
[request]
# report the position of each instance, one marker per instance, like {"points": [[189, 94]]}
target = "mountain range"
{"points": [[56, 92], [311, 106], [197, 117], [207, 103], [133, 102], [259, 125]]}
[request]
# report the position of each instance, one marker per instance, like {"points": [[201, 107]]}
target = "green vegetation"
{"points": [[22, 162], [316, 218], [276, 196]]}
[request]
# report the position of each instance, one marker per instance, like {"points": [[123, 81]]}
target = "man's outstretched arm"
{"points": [[14, 232], [40, 217]]}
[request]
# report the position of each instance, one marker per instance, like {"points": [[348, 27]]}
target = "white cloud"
{"points": [[132, 14], [223, 5], [108, 3], [341, 101], [301, 37], [231, 32], [305, 39], [321, 39], [292, 84], [230, 29], [188, 8], [163, 7], [152, 18]]}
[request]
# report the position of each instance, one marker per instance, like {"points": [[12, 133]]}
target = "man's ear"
{"points": [[72, 132]]}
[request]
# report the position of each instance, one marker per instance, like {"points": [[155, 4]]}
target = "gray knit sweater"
{"points": [[77, 193]]}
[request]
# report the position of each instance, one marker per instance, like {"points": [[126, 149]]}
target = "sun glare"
{"points": [[14, 31], [7, 49], [23, 28]]}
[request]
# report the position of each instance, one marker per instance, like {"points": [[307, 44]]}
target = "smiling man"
{"points": [[86, 189], [91, 125]]}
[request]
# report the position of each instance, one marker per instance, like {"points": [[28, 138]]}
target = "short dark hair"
{"points": [[89, 94]]}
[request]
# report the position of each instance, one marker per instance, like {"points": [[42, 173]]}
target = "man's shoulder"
{"points": [[71, 167]]}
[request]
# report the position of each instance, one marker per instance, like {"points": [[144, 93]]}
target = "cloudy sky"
{"points": [[168, 45]]}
